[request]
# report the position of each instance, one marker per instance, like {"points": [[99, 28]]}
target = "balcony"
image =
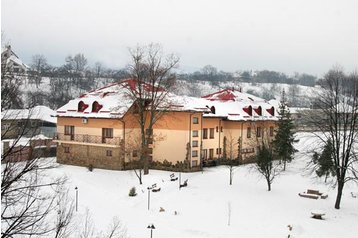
{"points": [[88, 139]]}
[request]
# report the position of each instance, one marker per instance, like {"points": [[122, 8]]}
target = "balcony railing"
{"points": [[89, 139]]}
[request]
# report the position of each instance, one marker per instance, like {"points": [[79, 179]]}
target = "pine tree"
{"points": [[285, 136], [265, 165], [324, 161]]}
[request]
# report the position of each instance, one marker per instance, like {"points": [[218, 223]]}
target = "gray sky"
{"points": [[284, 35]]}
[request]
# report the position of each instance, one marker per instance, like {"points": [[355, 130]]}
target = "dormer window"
{"points": [[82, 106], [212, 109], [248, 110], [96, 107], [271, 111], [258, 111]]}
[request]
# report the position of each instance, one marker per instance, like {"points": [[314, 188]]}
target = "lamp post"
{"points": [[179, 179], [151, 227], [76, 198], [149, 188]]}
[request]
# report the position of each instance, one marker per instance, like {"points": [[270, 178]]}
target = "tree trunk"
{"points": [[230, 175], [339, 195], [268, 184], [284, 165]]}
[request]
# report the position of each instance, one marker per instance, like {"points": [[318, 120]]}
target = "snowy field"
{"points": [[209, 207]]}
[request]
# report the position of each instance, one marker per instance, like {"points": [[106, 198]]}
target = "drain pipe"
{"points": [[124, 142]]}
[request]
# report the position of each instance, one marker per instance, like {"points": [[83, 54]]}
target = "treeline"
{"points": [[210, 73], [66, 81], [76, 76]]}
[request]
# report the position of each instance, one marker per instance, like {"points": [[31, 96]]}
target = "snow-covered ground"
{"points": [[210, 207]]}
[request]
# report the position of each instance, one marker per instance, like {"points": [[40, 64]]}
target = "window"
{"points": [[211, 133], [135, 153], [248, 132], [108, 152], [5, 126], [195, 120], [248, 150], [217, 129], [67, 149], [33, 123], [194, 163], [82, 106], [211, 153], [194, 153], [205, 153], [218, 151], [107, 132], [69, 130], [96, 106], [205, 133], [271, 130], [195, 143], [221, 129], [195, 133], [258, 131]]}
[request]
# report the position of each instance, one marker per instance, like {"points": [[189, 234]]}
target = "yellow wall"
{"points": [[173, 131], [171, 134], [92, 127]]}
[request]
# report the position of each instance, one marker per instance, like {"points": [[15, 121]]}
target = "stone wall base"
{"points": [[85, 155]]}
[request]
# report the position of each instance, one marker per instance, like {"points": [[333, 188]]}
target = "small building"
{"points": [[11, 62], [28, 122], [100, 128]]}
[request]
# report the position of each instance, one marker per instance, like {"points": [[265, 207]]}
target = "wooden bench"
{"points": [[306, 195], [184, 184], [313, 194], [316, 192], [173, 178], [317, 214], [156, 190]]}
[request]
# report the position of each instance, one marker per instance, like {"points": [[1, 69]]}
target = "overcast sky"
{"points": [[284, 35]]}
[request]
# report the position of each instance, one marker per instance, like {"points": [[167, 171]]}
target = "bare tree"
{"points": [[336, 122], [293, 94], [151, 71], [133, 151], [230, 146], [65, 208], [10, 86], [115, 229], [39, 65], [88, 229], [28, 194], [98, 69], [266, 165]]}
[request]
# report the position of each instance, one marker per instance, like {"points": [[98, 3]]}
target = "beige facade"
{"points": [[105, 123], [177, 136]]}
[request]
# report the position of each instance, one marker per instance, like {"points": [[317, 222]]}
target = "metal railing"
{"points": [[89, 139]]}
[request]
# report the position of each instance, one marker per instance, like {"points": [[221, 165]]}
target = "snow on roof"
{"points": [[114, 101], [232, 95], [17, 61], [237, 106], [12, 57], [42, 113]]}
